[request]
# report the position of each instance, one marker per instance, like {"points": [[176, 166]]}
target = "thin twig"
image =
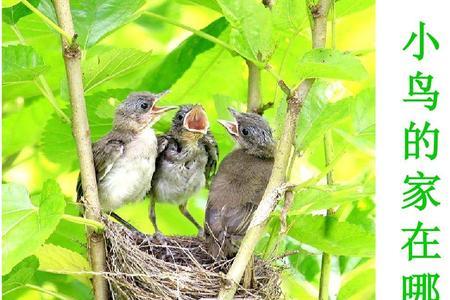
{"points": [[295, 103]]}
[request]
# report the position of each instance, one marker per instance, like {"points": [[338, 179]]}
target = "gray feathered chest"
{"points": [[180, 172]]}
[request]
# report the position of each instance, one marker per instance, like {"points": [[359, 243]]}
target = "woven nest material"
{"points": [[143, 267]]}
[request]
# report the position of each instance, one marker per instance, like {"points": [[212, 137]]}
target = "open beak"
{"points": [[157, 111], [196, 120]]}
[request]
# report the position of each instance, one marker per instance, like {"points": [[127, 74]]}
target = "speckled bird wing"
{"points": [[106, 152], [213, 155]]}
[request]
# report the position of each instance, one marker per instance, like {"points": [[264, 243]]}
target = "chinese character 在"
{"points": [[414, 138], [419, 191], [421, 36], [420, 287], [420, 90], [419, 239]]}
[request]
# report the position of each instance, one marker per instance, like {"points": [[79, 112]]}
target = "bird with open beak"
{"points": [[187, 158], [239, 184], [124, 159]]}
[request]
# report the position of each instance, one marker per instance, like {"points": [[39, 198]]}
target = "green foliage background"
{"points": [[125, 49]]}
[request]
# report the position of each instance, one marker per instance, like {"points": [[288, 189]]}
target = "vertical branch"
{"points": [[275, 187], [254, 88], [81, 132], [325, 271]]}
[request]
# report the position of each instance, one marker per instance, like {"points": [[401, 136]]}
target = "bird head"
{"points": [[139, 111], [190, 122], [252, 132]]}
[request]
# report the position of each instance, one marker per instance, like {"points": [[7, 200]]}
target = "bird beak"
{"points": [[157, 111], [196, 120], [230, 126]]}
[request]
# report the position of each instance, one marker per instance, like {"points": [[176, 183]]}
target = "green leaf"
{"points": [[112, 64], [27, 226], [312, 199], [24, 127], [95, 19], [211, 4], [20, 64], [290, 16], [9, 3], [251, 28], [318, 116], [359, 284], [13, 14], [346, 7], [20, 275], [53, 258], [331, 236], [57, 140], [177, 62], [364, 111], [328, 63]]}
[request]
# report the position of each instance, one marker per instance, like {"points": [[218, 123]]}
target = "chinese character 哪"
{"points": [[420, 287], [419, 193], [421, 37], [414, 137], [419, 238], [420, 86]]}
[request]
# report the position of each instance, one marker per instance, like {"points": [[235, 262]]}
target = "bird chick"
{"points": [[124, 159], [239, 184], [187, 158]]}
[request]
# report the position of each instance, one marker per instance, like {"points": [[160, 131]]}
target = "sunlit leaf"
{"points": [[20, 64], [112, 64], [13, 14], [24, 128], [359, 284], [211, 4], [251, 28], [22, 218], [9, 3], [328, 63], [331, 236], [54, 258], [290, 16], [20, 275], [314, 199], [181, 58], [346, 7]]}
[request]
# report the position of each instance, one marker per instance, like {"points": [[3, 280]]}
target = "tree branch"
{"points": [[319, 14], [254, 88], [81, 133]]}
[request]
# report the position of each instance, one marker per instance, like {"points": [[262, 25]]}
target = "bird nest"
{"points": [[141, 266]]}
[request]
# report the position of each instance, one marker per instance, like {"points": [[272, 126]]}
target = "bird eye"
{"points": [[144, 105], [244, 131], [180, 117]]}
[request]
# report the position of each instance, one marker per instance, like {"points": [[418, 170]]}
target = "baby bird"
{"points": [[187, 158], [124, 159], [239, 184]]}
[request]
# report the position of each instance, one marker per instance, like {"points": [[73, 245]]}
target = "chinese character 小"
{"points": [[421, 36]]}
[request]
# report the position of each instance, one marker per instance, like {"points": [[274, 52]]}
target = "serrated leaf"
{"points": [[111, 65], [13, 14], [331, 236], [21, 64], [318, 116], [95, 19], [312, 199], [20, 275], [251, 28], [329, 63], [55, 258], [29, 132], [359, 284], [22, 218], [178, 61]]}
